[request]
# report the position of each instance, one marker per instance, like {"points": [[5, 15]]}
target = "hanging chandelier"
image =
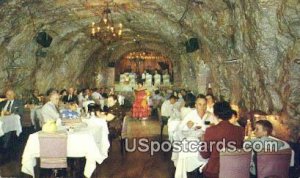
{"points": [[106, 30]]}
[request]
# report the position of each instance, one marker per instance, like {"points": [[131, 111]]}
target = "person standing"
{"points": [[140, 108]]}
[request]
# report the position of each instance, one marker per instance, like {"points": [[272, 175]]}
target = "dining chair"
{"points": [[53, 151], [234, 164], [273, 163]]}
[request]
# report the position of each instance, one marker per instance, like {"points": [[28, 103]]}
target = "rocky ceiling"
{"points": [[250, 49]]}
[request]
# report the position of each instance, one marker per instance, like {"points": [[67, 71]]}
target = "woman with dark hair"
{"points": [[140, 108], [63, 93], [221, 134]]}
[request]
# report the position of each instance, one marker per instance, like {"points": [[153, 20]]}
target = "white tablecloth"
{"points": [[187, 161], [10, 123], [172, 127], [90, 142]]}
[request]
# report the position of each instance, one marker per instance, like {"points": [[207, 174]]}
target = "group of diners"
{"points": [[201, 118], [189, 117], [56, 105]]}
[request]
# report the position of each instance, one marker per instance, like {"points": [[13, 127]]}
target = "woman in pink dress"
{"points": [[140, 108]]}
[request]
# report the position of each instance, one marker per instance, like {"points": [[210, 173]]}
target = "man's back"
{"points": [[49, 112], [218, 136]]}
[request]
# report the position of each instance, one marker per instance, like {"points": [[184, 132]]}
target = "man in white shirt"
{"points": [[191, 128], [168, 107], [200, 118], [263, 133], [50, 109], [96, 95]]}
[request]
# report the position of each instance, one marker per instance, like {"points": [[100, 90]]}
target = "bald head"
{"points": [[10, 94]]}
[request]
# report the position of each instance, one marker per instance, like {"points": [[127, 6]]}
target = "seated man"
{"points": [[11, 105], [168, 108], [50, 109], [263, 132], [200, 118], [96, 96], [70, 97], [215, 135], [8, 107]]}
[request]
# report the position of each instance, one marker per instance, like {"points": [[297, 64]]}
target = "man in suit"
{"points": [[8, 107], [50, 109], [11, 105], [118, 113], [224, 130], [71, 97]]}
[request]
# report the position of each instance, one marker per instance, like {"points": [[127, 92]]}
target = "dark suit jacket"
{"points": [[73, 99], [115, 126], [16, 108], [223, 130]]}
